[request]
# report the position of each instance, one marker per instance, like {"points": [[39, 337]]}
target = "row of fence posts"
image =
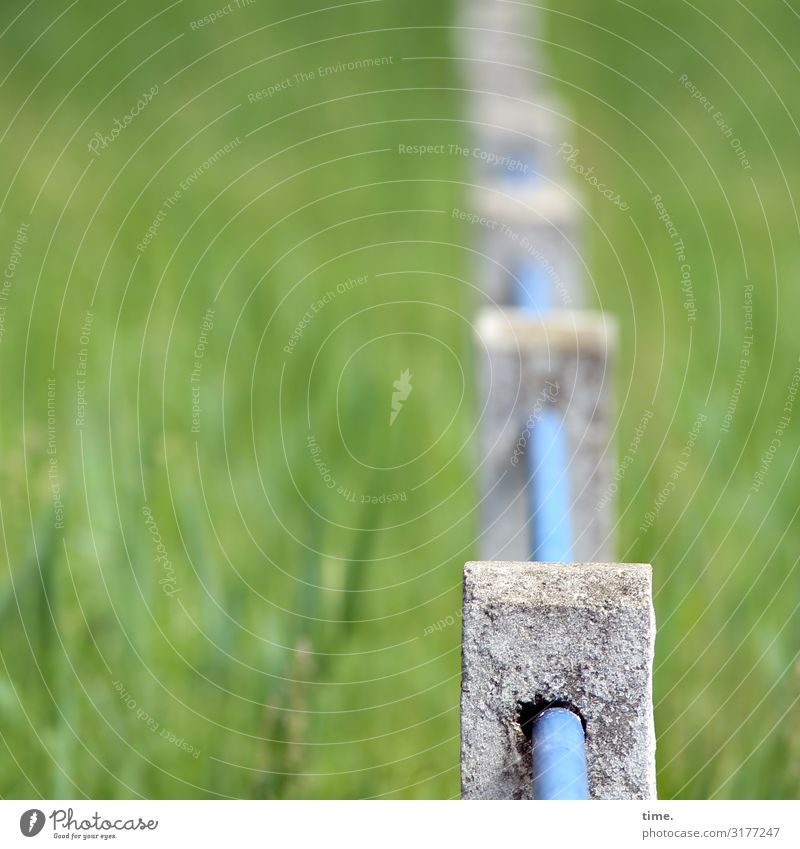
{"points": [[557, 645]]}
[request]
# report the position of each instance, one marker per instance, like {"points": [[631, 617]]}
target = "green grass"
{"points": [[294, 654]]}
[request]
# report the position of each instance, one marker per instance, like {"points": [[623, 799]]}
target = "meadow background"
{"points": [[293, 641]]}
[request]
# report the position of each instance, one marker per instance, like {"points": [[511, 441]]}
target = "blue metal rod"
{"points": [[546, 458], [548, 490], [557, 739], [533, 292], [559, 760]]}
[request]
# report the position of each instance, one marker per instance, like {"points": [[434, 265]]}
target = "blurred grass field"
{"points": [[296, 642]]}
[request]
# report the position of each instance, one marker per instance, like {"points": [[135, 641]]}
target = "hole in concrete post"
{"points": [[528, 711]]}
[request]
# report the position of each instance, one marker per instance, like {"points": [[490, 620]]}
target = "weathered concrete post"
{"points": [[563, 361], [538, 634]]}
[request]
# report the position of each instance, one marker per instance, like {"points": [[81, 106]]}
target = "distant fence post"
{"points": [[526, 368]]}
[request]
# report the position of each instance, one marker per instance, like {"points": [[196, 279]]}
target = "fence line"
{"points": [[539, 510]]}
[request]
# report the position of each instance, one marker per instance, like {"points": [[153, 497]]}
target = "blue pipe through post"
{"points": [[558, 757], [547, 455], [549, 493]]}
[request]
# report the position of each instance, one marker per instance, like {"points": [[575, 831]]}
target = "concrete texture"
{"points": [[579, 633], [566, 361], [535, 222]]}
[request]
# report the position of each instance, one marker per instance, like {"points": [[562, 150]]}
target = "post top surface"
{"points": [[515, 328], [525, 202], [584, 585]]}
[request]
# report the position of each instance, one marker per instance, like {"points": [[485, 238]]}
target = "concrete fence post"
{"points": [[527, 367], [540, 634]]}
